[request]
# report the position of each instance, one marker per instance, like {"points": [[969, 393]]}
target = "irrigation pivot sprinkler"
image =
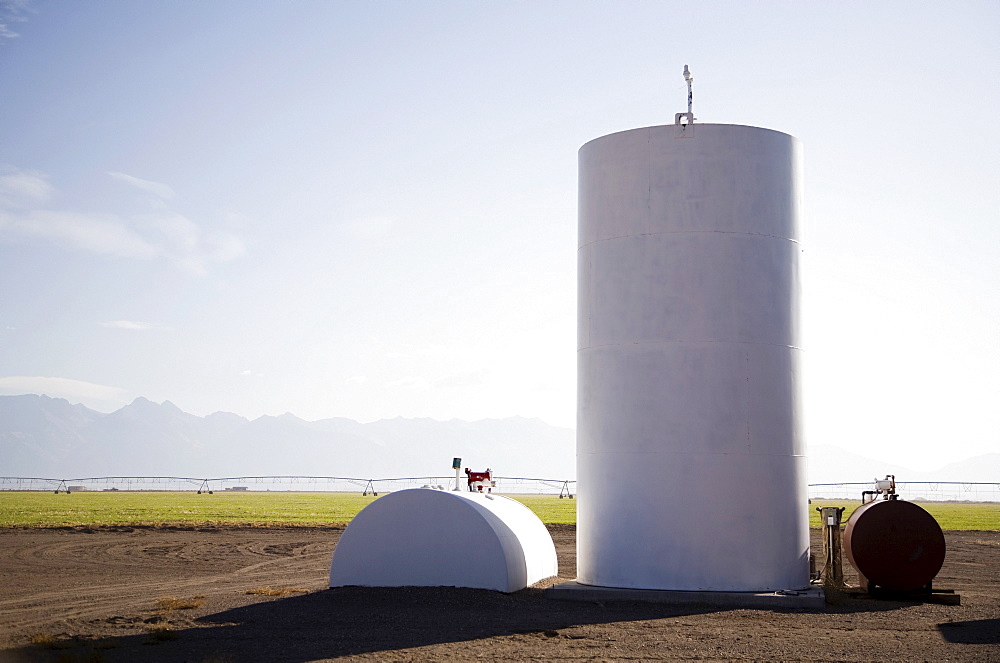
{"points": [[480, 480]]}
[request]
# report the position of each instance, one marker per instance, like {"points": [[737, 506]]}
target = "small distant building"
{"points": [[75, 489], [243, 488]]}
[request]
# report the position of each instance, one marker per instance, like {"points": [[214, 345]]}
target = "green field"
{"points": [[950, 515], [45, 509]]}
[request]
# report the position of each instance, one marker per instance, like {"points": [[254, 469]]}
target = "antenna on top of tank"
{"points": [[689, 115]]}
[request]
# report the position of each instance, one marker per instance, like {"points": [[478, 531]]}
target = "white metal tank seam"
{"points": [[688, 232], [692, 453], [638, 344]]}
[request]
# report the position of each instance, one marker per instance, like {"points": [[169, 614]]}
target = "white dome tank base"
{"points": [[433, 538]]}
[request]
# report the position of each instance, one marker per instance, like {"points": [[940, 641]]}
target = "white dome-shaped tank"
{"points": [[432, 538], [690, 453]]}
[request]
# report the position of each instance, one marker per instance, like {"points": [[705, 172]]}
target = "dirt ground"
{"points": [[103, 595]]}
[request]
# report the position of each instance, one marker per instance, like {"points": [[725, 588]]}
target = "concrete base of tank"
{"points": [[811, 598]]}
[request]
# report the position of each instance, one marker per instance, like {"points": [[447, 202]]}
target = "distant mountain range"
{"points": [[50, 437], [830, 464]]}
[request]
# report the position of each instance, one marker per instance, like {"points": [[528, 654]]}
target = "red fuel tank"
{"points": [[895, 544]]}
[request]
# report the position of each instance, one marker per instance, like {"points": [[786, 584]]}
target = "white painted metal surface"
{"points": [[690, 455], [430, 538]]}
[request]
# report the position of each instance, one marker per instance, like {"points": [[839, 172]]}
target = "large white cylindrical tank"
{"points": [[690, 454]]}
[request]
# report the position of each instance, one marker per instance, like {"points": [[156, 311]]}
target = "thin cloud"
{"points": [[97, 396], [224, 246], [12, 11], [106, 234], [462, 380], [23, 188], [161, 235], [370, 228], [191, 247], [127, 324], [156, 188], [180, 234], [411, 383]]}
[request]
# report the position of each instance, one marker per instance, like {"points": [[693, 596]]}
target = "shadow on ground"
{"points": [[978, 632], [352, 621]]}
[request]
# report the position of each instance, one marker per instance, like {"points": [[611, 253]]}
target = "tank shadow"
{"points": [[354, 621], [977, 632]]}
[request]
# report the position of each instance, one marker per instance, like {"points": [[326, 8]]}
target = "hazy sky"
{"points": [[368, 209]]}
